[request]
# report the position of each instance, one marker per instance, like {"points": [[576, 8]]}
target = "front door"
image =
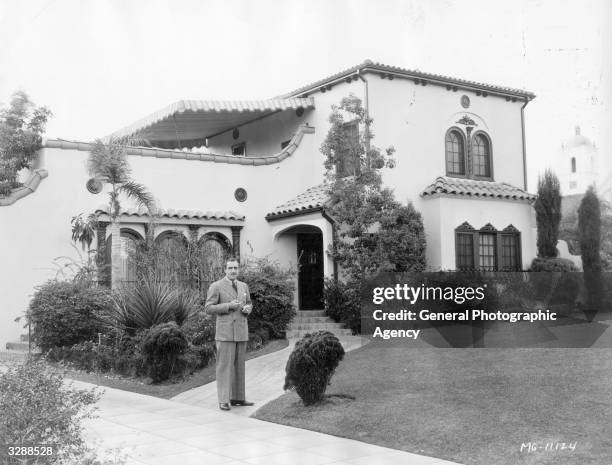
{"points": [[310, 274]]}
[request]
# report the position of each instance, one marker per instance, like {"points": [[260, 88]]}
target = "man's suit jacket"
{"points": [[231, 324]]}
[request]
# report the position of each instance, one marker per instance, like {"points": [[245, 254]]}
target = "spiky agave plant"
{"points": [[108, 162]]}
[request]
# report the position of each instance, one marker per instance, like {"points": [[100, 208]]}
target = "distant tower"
{"points": [[578, 167]]}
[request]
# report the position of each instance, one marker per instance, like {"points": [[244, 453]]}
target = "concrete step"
{"points": [[310, 313], [312, 319], [300, 333], [315, 326]]}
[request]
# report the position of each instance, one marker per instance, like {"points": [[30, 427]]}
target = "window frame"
{"points": [[463, 137], [509, 231], [240, 145], [490, 156]]}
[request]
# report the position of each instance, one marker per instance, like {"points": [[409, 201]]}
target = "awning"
{"points": [[190, 122]]}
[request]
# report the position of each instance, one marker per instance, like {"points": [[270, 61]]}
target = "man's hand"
{"points": [[247, 309], [235, 305]]}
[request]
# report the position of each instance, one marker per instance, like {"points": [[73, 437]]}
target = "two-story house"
{"points": [[246, 177]]}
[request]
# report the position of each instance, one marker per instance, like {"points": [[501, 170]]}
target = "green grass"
{"points": [[166, 389], [473, 406]]}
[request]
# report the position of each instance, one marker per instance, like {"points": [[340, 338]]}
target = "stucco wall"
{"points": [[36, 229], [414, 119], [500, 213]]}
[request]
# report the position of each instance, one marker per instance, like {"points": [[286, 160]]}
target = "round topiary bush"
{"points": [[161, 348], [312, 364], [67, 313]]}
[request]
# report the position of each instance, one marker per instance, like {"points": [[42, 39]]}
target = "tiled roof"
{"points": [[416, 74], [176, 214], [312, 200], [197, 119], [473, 188]]}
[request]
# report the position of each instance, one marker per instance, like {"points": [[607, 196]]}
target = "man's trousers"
{"points": [[230, 370]]}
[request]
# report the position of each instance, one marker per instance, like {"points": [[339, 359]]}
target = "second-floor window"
{"points": [[479, 164], [455, 153]]}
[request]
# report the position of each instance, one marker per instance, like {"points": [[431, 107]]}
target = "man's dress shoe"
{"points": [[243, 403], [224, 406]]}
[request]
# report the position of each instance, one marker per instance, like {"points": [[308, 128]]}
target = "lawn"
{"points": [[167, 389], [473, 406]]}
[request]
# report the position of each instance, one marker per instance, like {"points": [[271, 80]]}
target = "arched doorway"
{"points": [[307, 241]]}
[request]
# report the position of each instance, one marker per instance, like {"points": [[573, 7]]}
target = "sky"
{"points": [[100, 65]]}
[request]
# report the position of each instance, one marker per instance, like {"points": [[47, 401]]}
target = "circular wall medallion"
{"points": [[240, 194], [94, 185], [465, 101], [235, 133]]}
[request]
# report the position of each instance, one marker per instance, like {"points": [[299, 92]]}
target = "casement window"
{"points": [[573, 164], [481, 156], [455, 153], [487, 248], [477, 163], [239, 149], [347, 159]]}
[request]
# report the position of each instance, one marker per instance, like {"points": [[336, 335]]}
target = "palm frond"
{"points": [[108, 162], [138, 193]]}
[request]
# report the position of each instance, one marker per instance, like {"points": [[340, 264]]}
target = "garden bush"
{"points": [[343, 303], [200, 329], [67, 313], [162, 346], [555, 280], [36, 407], [271, 289], [312, 364]]}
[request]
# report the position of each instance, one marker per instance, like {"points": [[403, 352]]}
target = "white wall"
{"points": [[500, 213], [36, 229]]}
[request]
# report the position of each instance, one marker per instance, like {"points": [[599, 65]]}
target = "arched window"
{"points": [[213, 249], [481, 156], [573, 164], [172, 257], [455, 153], [129, 242]]}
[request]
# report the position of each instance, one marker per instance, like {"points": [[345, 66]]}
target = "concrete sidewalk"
{"points": [[154, 431], [265, 377]]}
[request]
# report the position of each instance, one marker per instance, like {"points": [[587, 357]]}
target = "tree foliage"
{"points": [[589, 227], [21, 127], [375, 232], [548, 214]]}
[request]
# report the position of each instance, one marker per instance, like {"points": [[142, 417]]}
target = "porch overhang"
{"points": [[188, 123], [174, 217]]}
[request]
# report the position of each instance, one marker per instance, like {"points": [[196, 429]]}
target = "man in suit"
{"points": [[230, 300]]}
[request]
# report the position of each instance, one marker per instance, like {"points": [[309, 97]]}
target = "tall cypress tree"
{"points": [[589, 230], [548, 214]]}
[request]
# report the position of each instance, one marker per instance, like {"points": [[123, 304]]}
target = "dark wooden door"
{"points": [[310, 274]]}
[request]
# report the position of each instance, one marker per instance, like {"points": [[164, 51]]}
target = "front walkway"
{"points": [[265, 377], [154, 431]]}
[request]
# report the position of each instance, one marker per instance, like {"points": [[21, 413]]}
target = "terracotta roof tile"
{"points": [[311, 200], [473, 188], [178, 214], [369, 64]]}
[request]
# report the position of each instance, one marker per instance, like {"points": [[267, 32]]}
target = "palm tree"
{"points": [[108, 162]]}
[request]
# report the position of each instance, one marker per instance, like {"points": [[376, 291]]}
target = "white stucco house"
{"points": [[247, 176]]}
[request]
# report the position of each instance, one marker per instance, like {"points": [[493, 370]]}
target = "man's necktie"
{"points": [[235, 287]]}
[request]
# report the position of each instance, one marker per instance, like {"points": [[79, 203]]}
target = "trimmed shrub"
{"points": [[271, 289], [552, 264], [312, 364], [255, 342], [343, 303], [36, 407], [161, 348], [67, 313]]}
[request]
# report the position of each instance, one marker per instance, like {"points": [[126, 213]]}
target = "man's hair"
{"points": [[231, 259]]}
